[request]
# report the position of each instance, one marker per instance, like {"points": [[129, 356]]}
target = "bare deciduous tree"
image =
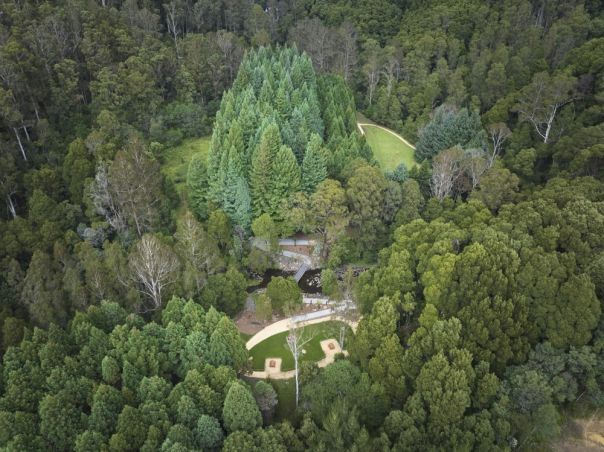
{"points": [[392, 68], [198, 251], [153, 267], [542, 99], [174, 21], [142, 18], [346, 309], [447, 167], [129, 189], [347, 59], [104, 202], [372, 68], [231, 51], [498, 133], [296, 340], [317, 40], [476, 163]]}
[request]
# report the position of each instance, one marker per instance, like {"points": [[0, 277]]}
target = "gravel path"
{"points": [[364, 124], [283, 325], [276, 373]]}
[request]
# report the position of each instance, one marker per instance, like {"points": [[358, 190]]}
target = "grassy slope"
{"points": [[276, 347], [388, 150], [176, 160], [363, 119]]}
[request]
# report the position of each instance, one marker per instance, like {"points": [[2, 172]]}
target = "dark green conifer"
{"points": [[314, 166]]}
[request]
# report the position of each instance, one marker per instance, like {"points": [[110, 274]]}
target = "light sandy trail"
{"points": [[364, 124], [283, 325], [277, 374]]}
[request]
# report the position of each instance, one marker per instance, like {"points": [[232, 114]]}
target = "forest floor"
{"points": [[581, 434], [249, 324]]}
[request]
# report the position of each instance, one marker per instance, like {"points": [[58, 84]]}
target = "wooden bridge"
{"points": [[301, 271]]}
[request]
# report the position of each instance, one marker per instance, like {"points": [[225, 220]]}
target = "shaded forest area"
{"points": [[482, 319]]}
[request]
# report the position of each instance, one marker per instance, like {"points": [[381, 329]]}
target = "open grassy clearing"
{"points": [[361, 118], [276, 346], [176, 160], [387, 149]]}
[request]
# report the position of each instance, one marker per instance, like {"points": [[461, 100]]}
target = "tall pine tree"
{"points": [[285, 180], [314, 166], [197, 186], [262, 171]]}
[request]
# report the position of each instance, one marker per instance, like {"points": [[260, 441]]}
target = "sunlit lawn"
{"points": [[276, 346], [387, 149], [176, 160]]}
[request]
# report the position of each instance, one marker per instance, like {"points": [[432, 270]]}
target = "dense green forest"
{"points": [[483, 282]]}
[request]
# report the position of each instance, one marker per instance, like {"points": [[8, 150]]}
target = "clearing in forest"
{"points": [[389, 148], [276, 346], [175, 161]]}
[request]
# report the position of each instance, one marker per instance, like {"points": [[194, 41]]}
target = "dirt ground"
{"points": [[581, 435], [248, 323], [302, 249]]}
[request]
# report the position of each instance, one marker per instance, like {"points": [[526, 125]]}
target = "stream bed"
{"points": [[310, 282]]}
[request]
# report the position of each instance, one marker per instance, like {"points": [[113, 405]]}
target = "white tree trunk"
{"points": [[342, 336], [172, 24], [550, 121], [499, 133], [153, 267], [24, 127], [297, 381], [20, 144], [295, 341], [374, 79], [11, 205]]}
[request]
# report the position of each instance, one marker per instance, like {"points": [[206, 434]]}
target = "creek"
{"points": [[310, 282]]}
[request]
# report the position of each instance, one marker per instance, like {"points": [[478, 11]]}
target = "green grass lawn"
{"points": [[388, 150], [176, 160], [276, 347], [363, 119]]}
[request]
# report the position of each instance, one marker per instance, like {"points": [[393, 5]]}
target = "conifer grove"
{"points": [[274, 137]]}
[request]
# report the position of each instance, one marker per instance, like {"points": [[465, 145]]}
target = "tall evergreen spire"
{"points": [[314, 166]]}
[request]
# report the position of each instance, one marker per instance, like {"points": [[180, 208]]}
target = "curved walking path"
{"points": [[282, 326], [360, 125]]}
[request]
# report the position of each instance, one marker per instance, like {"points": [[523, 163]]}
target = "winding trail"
{"points": [[330, 346], [283, 325], [360, 125], [324, 315]]}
